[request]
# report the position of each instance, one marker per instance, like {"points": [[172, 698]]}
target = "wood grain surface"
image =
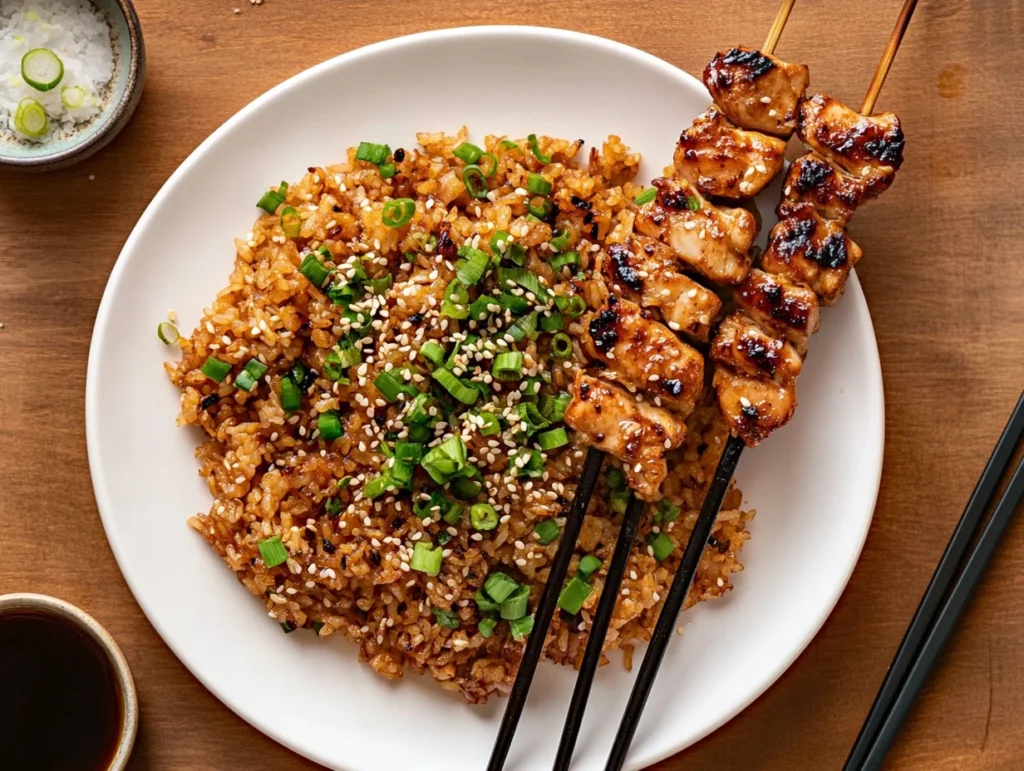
{"points": [[943, 273]]}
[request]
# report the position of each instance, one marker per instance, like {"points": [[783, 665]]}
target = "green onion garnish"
{"points": [[401, 473], [453, 385], [480, 309], [573, 306], [661, 544], [433, 506], [470, 270], [30, 118], [443, 537], [500, 242], [524, 278], [446, 460], [646, 196], [508, 144], [215, 369], [332, 366], [329, 425], [411, 452], [167, 332], [273, 198], [419, 410], [349, 357], [272, 551], [291, 397], [692, 203], [485, 603], [467, 153], [562, 241], [521, 627], [333, 506], [465, 489], [426, 559], [250, 376], [398, 212], [565, 259], [551, 321], [42, 69], [561, 346], [314, 270], [446, 618], [535, 147], [491, 424], [553, 407], [530, 418], [588, 565], [372, 152], [303, 377], [432, 351], [541, 208], [619, 500], [455, 300], [483, 516], [574, 595], [392, 388], [291, 223], [387, 170], [516, 604], [536, 184], [454, 514], [614, 478], [553, 439], [513, 302], [499, 586], [287, 626], [666, 511], [380, 285], [492, 167], [486, 626], [532, 467], [317, 626], [508, 365], [377, 486], [547, 531], [73, 96], [475, 180]]}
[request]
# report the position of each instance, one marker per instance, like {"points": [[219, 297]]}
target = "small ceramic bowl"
{"points": [[127, 88], [67, 613]]}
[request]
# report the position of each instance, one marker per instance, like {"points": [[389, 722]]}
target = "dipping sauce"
{"points": [[61, 708]]}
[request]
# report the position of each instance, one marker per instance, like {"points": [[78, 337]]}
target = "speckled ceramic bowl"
{"points": [[127, 88], [67, 613]]}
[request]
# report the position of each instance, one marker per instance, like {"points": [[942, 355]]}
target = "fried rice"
{"points": [[325, 530]]}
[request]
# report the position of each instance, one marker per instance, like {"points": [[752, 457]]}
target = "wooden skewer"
{"points": [[777, 26], [887, 57]]}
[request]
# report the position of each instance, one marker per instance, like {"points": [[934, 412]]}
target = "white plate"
{"points": [[813, 485]]}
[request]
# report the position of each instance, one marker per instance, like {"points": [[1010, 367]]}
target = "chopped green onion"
{"points": [[530, 389], [574, 595], [588, 565], [349, 357], [467, 153], [535, 147], [291, 397], [272, 551], [314, 270], [530, 418], [291, 223], [30, 118], [499, 586], [73, 96], [508, 144], [387, 170], [483, 516], [514, 303], [317, 626], [215, 369], [660, 544], [547, 531], [287, 626], [493, 166], [446, 618], [500, 242], [527, 279], [475, 180], [551, 321], [521, 627], [411, 452], [398, 212], [418, 410], [273, 198], [646, 196], [42, 69], [249, 376], [692, 203], [456, 387], [392, 388], [572, 306], [432, 351], [563, 240], [401, 473], [426, 559], [491, 424], [329, 425], [454, 514], [473, 268], [446, 460], [380, 285], [456, 296], [372, 152], [453, 357], [515, 605], [536, 184], [532, 467], [443, 537], [481, 307], [486, 626], [485, 603], [619, 499], [167, 332], [332, 505], [377, 486], [433, 506], [466, 489], [667, 511], [614, 478], [553, 439], [516, 254], [555, 406], [524, 327], [561, 346], [508, 365], [332, 367], [565, 259], [542, 210]]}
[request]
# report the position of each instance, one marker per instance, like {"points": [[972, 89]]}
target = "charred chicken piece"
{"points": [[637, 433], [644, 270], [744, 347], [710, 240], [757, 91], [753, 408], [834, 194], [644, 355], [781, 305], [815, 251], [723, 160], [869, 148]]}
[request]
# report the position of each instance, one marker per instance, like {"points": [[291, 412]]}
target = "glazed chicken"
{"points": [[644, 355], [833, 194], [645, 270], [754, 407], [710, 240], [636, 432], [720, 159], [776, 303], [744, 347], [757, 91]]}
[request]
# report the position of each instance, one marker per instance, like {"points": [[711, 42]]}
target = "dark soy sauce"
{"points": [[60, 703]]}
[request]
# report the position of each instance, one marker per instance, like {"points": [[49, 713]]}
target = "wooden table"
{"points": [[943, 274]]}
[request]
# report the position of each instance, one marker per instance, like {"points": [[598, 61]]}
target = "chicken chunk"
{"points": [[744, 347], [645, 270], [637, 433], [777, 303], [834, 194], [757, 91], [806, 248], [754, 408], [724, 160], [644, 355], [710, 240], [868, 148]]}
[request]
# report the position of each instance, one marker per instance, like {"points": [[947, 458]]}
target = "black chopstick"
{"points": [[882, 721], [674, 602], [546, 610], [598, 632]]}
